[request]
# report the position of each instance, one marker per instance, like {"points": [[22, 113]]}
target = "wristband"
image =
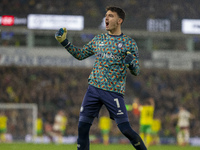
{"points": [[65, 43]]}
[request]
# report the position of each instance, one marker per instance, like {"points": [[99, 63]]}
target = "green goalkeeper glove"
{"points": [[61, 37]]}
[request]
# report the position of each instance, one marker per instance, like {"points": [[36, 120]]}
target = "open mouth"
{"points": [[107, 23]]}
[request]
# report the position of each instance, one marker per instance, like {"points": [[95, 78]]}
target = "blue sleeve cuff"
{"points": [[65, 43]]}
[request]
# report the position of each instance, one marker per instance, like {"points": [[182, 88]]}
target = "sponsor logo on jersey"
{"points": [[108, 55]]}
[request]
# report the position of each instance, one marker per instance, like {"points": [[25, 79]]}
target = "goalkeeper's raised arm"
{"points": [[78, 53]]}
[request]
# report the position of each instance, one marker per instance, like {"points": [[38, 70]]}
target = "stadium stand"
{"points": [[57, 88], [137, 10]]}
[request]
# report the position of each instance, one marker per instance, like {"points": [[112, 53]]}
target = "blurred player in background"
{"points": [[105, 125], [39, 125], [183, 125], [146, 120], [155, 128], [115, 53], [59, 126], [64, 124], [136, 107], [3, 126]]}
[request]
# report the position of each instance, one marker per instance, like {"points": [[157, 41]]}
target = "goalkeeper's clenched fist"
{"points": [[129, 61], [61, 36]]}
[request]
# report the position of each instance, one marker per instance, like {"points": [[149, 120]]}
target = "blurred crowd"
{"points": [[53, 89], [170, 90], [50, 88], [137, 10]]}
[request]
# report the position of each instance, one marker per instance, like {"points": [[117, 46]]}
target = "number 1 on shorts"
{"points": [[117, 102]]}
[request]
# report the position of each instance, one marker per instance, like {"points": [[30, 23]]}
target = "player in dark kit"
{"points": [[115, 54]]}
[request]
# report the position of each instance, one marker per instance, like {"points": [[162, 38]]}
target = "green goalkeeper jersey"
{"points": [[109, 70]]}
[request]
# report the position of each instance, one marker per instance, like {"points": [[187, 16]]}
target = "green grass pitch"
{"points": [[26, 146]]}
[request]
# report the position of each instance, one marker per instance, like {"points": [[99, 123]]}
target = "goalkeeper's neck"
{"points": [[115, 31]]}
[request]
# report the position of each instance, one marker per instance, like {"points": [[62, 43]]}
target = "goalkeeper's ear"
{"points": [[120, 21]]}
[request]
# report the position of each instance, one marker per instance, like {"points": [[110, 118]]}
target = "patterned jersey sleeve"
{"points": [[84, 52], [134, 52]]}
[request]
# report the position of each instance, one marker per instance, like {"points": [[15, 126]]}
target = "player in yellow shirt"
{"points": [[3, 126], [64, 124], [155, 128], [146, 120], [39, 125], [105, 125]]}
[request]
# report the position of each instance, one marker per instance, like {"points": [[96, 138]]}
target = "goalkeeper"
{"points": [[115, 53]]}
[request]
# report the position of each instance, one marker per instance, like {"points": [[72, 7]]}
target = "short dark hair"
{"points": [[120, 12]]}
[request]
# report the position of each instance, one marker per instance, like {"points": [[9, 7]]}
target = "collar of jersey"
{"points": [[115, 35]]}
